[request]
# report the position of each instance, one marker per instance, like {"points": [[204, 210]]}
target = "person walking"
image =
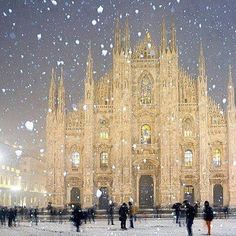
{"points": [[208, 216], [190, 213], [123, 211], [131, 214], [110, 213], [77, 217]]}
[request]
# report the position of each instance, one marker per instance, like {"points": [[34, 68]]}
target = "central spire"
{"points": [[163, 35], [89, 69]]}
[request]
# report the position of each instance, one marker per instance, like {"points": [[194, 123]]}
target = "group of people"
{"points": [[190, 213], [124, 212], [10, 216]]}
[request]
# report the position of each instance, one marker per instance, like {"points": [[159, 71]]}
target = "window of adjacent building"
{"points": [[146, 134], [75, 158], [217, 158], [104, 135], [104, 159], [188, 158], [187, 128], [146, 91]]}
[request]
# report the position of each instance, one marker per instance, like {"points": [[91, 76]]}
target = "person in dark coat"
{"points": [[190, 214], [36, 216], [226, 211], [176, 207], [11, 215], [123, 211], [77, 217], [131, 214], [208, 215], [110, 213]]}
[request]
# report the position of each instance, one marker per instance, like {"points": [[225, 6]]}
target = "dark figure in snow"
{"points": [[196, 206], [176, 207], [110, 213], [77, 217], [60, 213], [4, 213], [36, 215], [208, 216], [226, 212], [131, 214], [190, 214], [123, 211], [11, 215]]}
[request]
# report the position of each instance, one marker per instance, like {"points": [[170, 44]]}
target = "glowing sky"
{"points": [[36, 35]]}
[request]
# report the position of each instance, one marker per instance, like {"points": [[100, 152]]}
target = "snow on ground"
{"points": [[148, 227]]}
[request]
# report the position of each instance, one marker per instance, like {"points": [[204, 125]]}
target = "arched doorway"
{"points": [[189, 193], [146, 192], [75, 195], [218, 195], [103, 200]]}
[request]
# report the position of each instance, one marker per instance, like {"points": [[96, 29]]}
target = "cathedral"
{"points": [[146, 131]]}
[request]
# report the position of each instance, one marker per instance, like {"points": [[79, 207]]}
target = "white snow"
{"points": [[142, 227], [29, 125], [39, 36], [94, 22], [100, 9], [54, 2]]}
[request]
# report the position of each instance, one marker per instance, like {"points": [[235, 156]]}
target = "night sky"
{"points": [[36, 35]]}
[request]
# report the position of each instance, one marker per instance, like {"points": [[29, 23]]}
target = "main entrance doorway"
{"points": [[146, 192], [218, 195], [75, 195], [189, 193], [103, 200]]}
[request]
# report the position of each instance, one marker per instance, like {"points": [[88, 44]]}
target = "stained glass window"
{"points": [[146, 91], [104, 159], [188, 158], [75, 158], [217, 158], [146, 134], [104, 135]]}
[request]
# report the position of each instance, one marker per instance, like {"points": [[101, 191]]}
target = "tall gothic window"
{"points": [[104, 159], [146, 90], [146, 134], [187, 128], [75, 158], [188, 158], [217, 157]]}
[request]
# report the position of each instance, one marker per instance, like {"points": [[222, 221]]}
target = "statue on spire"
{"points": [[163, 35]]}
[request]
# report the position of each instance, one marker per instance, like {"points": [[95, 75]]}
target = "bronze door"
{"points": [[146, 192]]}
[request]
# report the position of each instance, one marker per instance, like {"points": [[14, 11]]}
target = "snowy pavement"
{"points": [[148, 227]]}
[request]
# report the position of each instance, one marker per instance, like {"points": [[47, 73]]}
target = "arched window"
{"points": [[75, 159], [188, 158], [146, 134], [187, 128], [104, 134], [146, 90], [104, 159], [217, 157]]}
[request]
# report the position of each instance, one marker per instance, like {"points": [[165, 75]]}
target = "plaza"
{"points": [[144, 227]]}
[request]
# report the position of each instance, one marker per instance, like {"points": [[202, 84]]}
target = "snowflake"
{"points": [[100, 9]]}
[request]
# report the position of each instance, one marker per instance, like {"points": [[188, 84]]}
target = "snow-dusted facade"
{"points": [[146, 130]]}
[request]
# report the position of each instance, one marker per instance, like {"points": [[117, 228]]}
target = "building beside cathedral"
{"points": [[146, 130]]}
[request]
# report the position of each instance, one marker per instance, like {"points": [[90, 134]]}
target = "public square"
{"points": [[143, 227]]}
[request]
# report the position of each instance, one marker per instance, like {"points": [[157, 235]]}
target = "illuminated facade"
{"points": [[146, 130], [10, 185]]}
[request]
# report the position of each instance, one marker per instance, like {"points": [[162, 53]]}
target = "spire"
{"points": [[52, 93], [173, 35], [89, 69], [201, 63], [231, 97], [163, 34], [117, 37], [127, 36], [61, 93]]}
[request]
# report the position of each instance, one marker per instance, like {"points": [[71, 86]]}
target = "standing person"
{"points": [[131, 214], [77, 217], [60, 213], [110, 213], [36, 216], [190, 213], [123, 211], [226, 211], [10, 217], [208, 216]]}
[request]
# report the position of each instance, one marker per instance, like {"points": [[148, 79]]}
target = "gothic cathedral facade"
{"points": [[145, 131]]}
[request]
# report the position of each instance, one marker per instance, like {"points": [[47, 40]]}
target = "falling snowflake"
{"points": [[39, 36], [100, 9], [94, 22], [54, 2], [29, 125]]}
